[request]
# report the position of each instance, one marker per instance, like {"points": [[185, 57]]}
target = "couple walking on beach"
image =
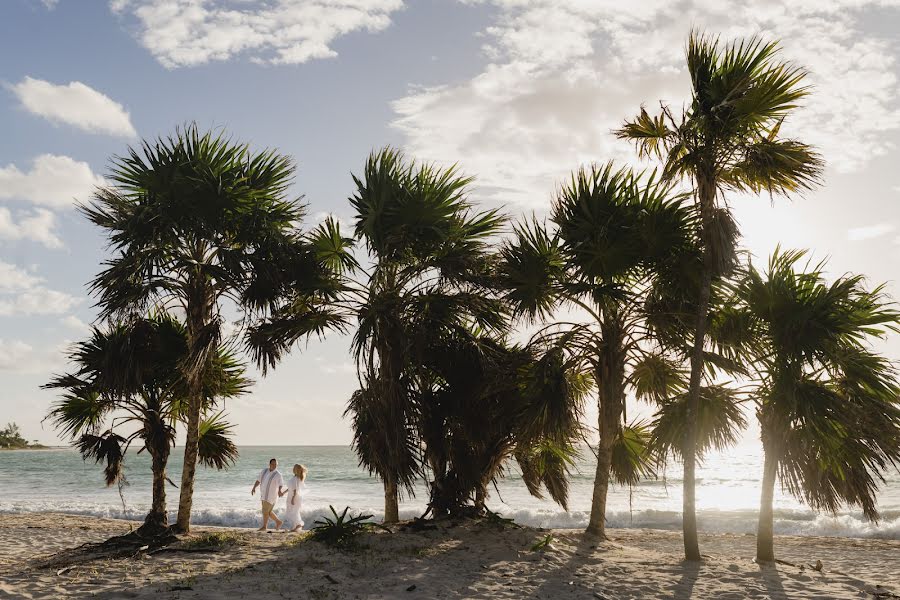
{"points": [[272, 487]]}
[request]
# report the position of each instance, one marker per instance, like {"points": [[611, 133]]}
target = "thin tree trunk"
{"points": [[157, 519], [597, 522], [610, 403], [191, 450], [765, 531], [706, 195], [391, 502], [481, 494], [199, 313]]}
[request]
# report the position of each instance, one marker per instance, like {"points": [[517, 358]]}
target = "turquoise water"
{"points": [[728, 493]]}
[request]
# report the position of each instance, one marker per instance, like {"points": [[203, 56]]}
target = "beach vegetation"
{"points": [[727, 139], [443, 394], [428, 250], [342, 530], [198, 223], [213, 540], [11, 438], [543, 544], [128, 387], [828, 405], [613, 236]]}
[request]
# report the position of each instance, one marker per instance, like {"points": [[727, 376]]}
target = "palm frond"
{"points": [[216, 449], [532, 268], [106, 448], [720, 420], [632, 456]]}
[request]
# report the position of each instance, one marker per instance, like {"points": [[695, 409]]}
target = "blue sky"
{"points": [[518, 91]]}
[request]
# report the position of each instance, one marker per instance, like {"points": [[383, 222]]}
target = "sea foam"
{"points": [[787, 522]]}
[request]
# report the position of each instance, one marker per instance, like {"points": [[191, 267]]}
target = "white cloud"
{"points": [[37, 226], [37, 301], [23, 293], [74, 104], [12, 278], [20, 357], [13, 354], [562, 75], [53, 181], [75, 324], [50, 4], [870, 232], [343, 368], [182, 33]]}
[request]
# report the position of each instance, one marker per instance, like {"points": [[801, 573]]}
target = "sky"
{"points": [[518, 92]]}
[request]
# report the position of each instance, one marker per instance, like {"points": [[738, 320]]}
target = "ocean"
{"points": [[727, 494]]}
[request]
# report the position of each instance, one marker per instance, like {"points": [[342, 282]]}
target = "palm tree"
{"points": [[196, 220], [828, 406], [128, 376], [490, 404], [428, 273], [726, 140], [614, 231]]}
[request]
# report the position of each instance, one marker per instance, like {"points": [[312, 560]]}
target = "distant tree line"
{"points": [[11, 438]]}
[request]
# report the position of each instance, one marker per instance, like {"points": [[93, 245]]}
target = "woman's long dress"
{"points": [[292, 516]]}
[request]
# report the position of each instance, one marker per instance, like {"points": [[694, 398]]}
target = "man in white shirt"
{"points": [[270, 483]]}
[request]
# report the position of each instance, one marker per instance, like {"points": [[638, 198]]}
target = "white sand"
{"points": [[469, 561]]}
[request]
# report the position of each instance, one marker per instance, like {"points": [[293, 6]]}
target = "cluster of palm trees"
{"points": [[634, 285]]}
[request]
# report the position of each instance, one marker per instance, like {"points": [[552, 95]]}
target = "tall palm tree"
{"points": [[196, 220], [828, 406], [428, 273], [128, 379], [614, 232], [727, 139]]}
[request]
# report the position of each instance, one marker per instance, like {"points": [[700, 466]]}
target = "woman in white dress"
{"points": [[296, 486]]}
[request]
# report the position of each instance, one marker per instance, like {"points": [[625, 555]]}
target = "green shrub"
{"points": [[214, 540], [341, 531]]}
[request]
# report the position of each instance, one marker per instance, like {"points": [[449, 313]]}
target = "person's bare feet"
{"points": [[261, 529]]}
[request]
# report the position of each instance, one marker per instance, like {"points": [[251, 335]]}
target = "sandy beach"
{"points": [[469, 560]]}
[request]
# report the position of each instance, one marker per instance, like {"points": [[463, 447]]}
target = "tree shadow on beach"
{"points": [[684, 589], [772, 581]]}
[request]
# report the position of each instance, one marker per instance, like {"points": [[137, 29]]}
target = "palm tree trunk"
{"points": [[157, 520], [191, 450], [765, 531], [610, 378], [481, 497], [706, 197], [391, 502], [199, 313], [597, 522]]}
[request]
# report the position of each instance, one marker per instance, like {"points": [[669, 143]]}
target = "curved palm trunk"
{"points": [[706, 197], [765, 531], [611, 403]]}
